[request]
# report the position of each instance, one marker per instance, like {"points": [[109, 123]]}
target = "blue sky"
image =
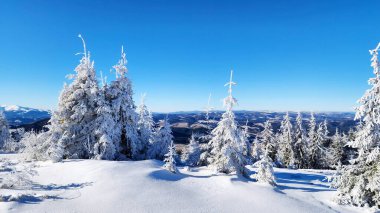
{"points": [[286, 55]]}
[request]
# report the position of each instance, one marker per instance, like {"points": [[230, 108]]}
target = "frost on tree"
{"points": [[246, 144], [35, 146], [73, 124], [119, 94], [325, 130], [312, 134], [170, 159], [257, 150], [300, 145], [268, 140], [227, 144], [265, 173], [317, 152], [192, 153], [286, 143], [336, 150], [162, 140], [4, 131], [145, 125], [105, 146], [359, 183]]}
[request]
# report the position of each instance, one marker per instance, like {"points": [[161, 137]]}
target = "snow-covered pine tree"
{"points": [[162, 141], [317, 152], [336, 151], [325, 130], [226, 144], [246, 144], [170, 159], [312, 135], [257, 150], [119, 94], [192, 152], [4, 131], [300, 145], [265, 173], [268, 140], [359, 183], [105, 147], [73, 124], [286, 143], [145, 125]]}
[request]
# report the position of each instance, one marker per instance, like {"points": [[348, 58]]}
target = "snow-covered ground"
{"points": [[142, 186]]}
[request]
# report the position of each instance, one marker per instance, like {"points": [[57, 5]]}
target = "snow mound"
{"points": [[143, 186]]}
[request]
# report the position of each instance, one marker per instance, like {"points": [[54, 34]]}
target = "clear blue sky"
{"points": [[287, 55]]}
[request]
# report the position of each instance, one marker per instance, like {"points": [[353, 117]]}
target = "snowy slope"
{"points": [[142, 186]]}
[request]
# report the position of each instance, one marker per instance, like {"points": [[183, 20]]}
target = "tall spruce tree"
{"points": [[145, 125], [317, 152], [300, 145], [227, 146], [119, 94], [105, 146], [268, 140], [336, 150], [359, 183], [312, 136], [286, 143], [73, 124]]}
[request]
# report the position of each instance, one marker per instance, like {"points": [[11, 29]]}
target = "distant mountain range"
{"points": [[186, 123], [18, 115]]}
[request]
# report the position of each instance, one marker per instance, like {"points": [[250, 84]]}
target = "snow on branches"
{"points": [[227, 143]]}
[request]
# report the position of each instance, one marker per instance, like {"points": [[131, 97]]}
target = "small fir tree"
{"points": [[162, 140], [192, 153], [170, 159]]}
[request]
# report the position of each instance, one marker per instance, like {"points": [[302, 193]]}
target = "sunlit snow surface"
{"points": [[142, 186]]}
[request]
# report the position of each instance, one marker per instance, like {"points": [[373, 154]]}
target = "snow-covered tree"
{"points": [[359, 183], [119, 94], [286, 143], [170, 159], [145, 125], [257, 150], [317, 152], [312, 134], [35, 146], [13, 144], [161, 142], [325, 130], [105, 146], [227, 146], [336, 150], [4, 131], [265, 173], [73, 123], [192, 152], [246, 143], [268, 139], [300, 145]]}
